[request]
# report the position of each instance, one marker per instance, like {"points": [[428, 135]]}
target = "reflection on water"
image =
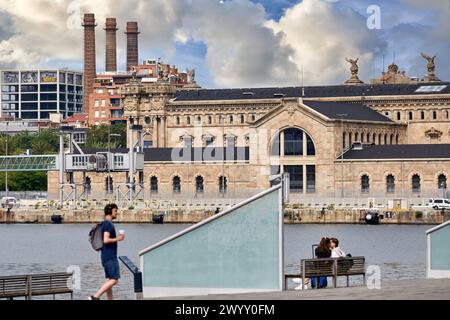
{"points": [[399, 251]]}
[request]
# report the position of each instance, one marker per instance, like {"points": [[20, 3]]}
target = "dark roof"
{"points": [[352, 111], [184, 154], [405, 151], [196, 154], [308, 92]]}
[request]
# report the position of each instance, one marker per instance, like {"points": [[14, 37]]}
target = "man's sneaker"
{"points": [[93, 298]]}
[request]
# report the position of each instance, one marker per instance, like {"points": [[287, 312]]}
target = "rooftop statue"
{"points": [[431, 67], [354, 70]]}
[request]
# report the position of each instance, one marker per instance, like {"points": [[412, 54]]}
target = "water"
{"points": [[398, 250]]}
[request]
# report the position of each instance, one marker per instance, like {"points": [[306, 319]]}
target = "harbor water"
{"points": [[399, 250]]}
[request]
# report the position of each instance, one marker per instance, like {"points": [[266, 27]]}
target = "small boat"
{"points": [[57, 219], [372, 218], [158, 218]]}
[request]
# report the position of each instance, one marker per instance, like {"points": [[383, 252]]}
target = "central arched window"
{"points": [[416, 183], [176, 184], [291, 142], [365, 183], [390, 183], [199, 184]]}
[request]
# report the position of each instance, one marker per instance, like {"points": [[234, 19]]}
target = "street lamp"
{"points": [[341, 116]]}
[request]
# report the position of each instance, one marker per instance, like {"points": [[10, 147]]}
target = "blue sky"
{"points": [[238, 43]]}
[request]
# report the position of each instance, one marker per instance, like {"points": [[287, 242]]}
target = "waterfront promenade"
{"points": [[417, 289]]}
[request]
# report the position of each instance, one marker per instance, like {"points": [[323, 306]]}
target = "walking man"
{"points": [[109, 253]]}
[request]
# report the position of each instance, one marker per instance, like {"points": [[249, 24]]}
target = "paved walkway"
{"points": [[390, 290]]}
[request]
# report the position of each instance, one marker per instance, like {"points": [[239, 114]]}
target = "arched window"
{"points": [[368, 138], [293, 143], [350, 139], [446, 114], [396, 139], [422, 115], [87, 185], [390, 183], [223, 184], [379, 139], [434, 115], [344, 135], [242, 118], [176, 183], [253, 118], [410, 115], [365, 183], [153, 184], [386, 139], [357, 137], [109, 185], [416, 183], [148, 120], [199, 184], [231, 118], [442, 181], [399, 116], [374, 138], [209, 120], [392, 138], [199, 120], [188, 120], [177, 120]]}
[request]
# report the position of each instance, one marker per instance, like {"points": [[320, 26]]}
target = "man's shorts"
{"points": [[112, 269]]}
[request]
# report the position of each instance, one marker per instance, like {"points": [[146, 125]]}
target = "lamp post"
{"points": [[341, 116], [6, 154]]}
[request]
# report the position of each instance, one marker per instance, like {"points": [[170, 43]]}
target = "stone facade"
{"points": [[256, 124]]}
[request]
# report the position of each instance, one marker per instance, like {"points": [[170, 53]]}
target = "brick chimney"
{"points": [[90, 69], [111, 49], [132, 45]]}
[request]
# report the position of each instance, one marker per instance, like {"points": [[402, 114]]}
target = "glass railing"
{"points": [[438, 251], [236, 251]]}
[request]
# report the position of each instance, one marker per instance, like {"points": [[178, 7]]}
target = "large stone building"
{"points": [[346, 141]]}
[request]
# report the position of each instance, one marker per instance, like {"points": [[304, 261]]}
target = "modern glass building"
{"points": [[35, 94]]}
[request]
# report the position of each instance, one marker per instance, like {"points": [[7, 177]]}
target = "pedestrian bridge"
{"points": [[29, 163]]}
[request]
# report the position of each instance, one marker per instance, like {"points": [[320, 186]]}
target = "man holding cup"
{"points": [[109, 253]]}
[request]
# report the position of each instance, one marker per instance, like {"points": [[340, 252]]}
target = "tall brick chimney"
{"points": [[132, 45], [90, 68], [111, 49]]}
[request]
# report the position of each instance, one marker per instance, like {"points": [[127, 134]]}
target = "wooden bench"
{"points": [[311, 268], [29, 286]]}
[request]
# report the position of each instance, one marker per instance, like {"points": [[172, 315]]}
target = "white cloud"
{"points": [[243, 48], [322, 35]]}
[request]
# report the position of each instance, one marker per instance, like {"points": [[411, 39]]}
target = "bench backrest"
{"points": [[351, 265], [51, 283], [13, 286], [333, 266], [39, 284]]}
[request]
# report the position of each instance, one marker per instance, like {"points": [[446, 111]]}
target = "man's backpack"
{"points": [[96, 237]]}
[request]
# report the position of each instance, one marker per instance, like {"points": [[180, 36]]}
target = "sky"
{"points": [[238, 43]]}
